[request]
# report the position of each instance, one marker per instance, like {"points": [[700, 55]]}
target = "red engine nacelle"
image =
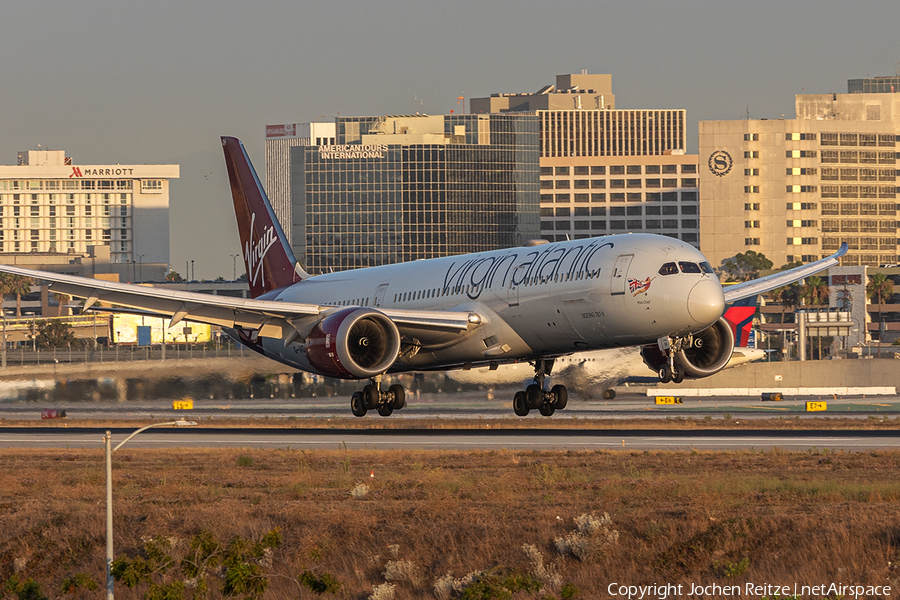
{"points": [[353, 343], [710, 352]]}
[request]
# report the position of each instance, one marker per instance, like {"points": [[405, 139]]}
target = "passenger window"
{"points": [[669, 268], [689, 267], [706, 267]]}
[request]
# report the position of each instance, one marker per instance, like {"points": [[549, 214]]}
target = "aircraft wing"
{"points": [[776, 280], [271, 317]]}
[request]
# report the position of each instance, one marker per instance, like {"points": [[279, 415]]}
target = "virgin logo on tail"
{"points": [[254, 254]]}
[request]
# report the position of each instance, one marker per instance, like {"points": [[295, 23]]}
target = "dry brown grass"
{"points": [[681, 517]]}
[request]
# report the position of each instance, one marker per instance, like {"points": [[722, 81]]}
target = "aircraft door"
{"points": [[512, 295], [379, 294], [619, 279]]}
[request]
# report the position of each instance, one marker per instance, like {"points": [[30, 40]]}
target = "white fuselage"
{"points": [[545, 300]]}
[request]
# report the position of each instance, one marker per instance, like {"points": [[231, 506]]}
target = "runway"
{"points": [[467, 405], [460, 439]]}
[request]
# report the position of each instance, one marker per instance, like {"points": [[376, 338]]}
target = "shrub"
{"points": [[591, 534], [326, 584], [402, 570], [385, 591]]}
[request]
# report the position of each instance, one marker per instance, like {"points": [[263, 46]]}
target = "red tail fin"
{"points": [[740, 316], [268, 257]]}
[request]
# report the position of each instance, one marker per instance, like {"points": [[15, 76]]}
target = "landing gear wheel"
{"points": [[534, 396], [609, 394], [385, 410], [520, 404], [562, 396], [357, 405], [399, 396], [678, 374], [547, 409], [371, 396], [665, 374]]}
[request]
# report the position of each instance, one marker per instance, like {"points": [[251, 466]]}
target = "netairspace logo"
{"points": [[671, 590]]}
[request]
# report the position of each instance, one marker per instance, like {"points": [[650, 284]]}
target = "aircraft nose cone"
{"points": [[706, 302]]}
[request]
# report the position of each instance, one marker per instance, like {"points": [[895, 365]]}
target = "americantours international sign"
{"points": [[353, 151]]}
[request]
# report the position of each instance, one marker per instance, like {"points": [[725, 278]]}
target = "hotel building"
{"points": [[794, 189], [48, 204]]}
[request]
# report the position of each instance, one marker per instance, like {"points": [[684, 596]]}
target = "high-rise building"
{"points": [[48, 204], [400, 188], [794, 189], [279, 140], [606, 170]]}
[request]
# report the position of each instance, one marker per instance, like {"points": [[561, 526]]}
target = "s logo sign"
{"points": [[720, 163]]}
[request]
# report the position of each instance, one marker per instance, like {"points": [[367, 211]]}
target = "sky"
{"points": [[158, 82]]}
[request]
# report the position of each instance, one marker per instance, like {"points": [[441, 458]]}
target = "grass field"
{"points": [[422, 521]]}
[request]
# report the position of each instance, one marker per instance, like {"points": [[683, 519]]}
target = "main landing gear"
{"points": [[535, 396], [373, 398]]}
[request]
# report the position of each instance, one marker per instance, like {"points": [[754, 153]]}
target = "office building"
{"points": [[606, 170], [794, 189], [401, 188], [49, 204], [279, 140]]}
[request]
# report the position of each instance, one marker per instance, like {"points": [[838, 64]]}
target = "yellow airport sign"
{"points": [[183, 404], [814, 406], [668, 400]]}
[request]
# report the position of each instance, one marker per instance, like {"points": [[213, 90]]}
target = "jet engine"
{"points": [[353, 343], [708, 353]]}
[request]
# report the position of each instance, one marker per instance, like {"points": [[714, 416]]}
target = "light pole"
{"points": [[107, 442], [234, 266], [140, 267]]}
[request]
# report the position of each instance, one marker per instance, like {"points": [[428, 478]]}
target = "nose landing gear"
{"points": [[669, 371], [536, 397], [373, 398]]}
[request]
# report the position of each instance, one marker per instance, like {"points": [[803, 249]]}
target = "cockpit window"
{"points": [[668, 269], [689, 267], [706, 267]]}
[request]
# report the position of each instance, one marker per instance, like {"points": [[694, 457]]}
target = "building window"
{"points": [[598, 170], [751, 154], [751, 189], [751, 137], [151, 186], [751, 172], [581, 170], [751, 241]]}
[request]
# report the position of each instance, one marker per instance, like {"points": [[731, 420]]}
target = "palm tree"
{"points": [[815, 291], [18, 285], [788, 296], [880, 287]]}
